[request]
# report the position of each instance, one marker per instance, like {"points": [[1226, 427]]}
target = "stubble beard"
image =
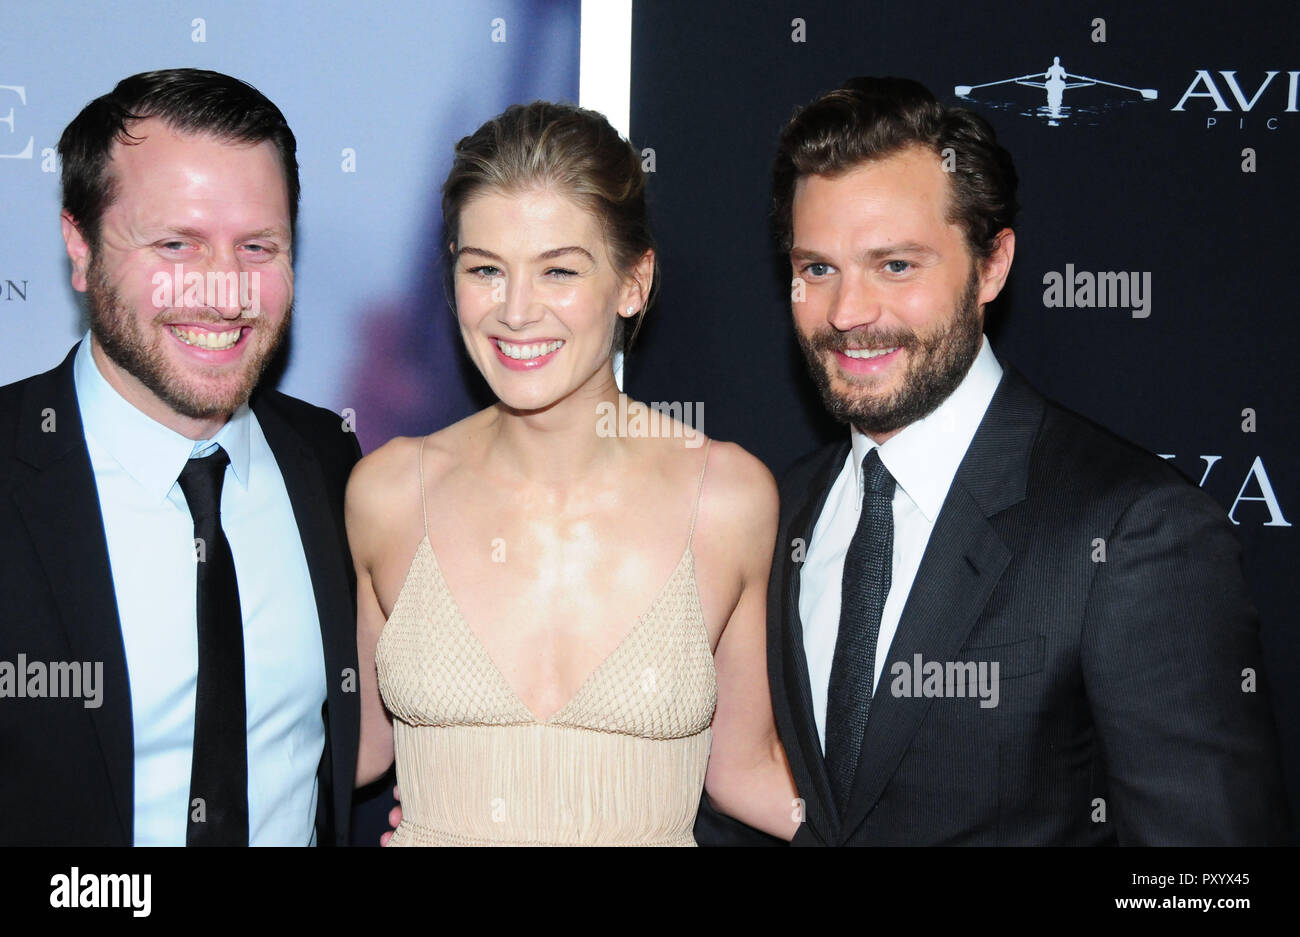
{"points": [[118, 332], [936, 364]]}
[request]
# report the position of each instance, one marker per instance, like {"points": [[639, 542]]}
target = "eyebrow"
{"points": [[545, 255], [914, 248], [267, 233], [186, 231]]}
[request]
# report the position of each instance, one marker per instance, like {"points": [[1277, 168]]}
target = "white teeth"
{"points": [[202, 338], [527, 352], [869, 352]]}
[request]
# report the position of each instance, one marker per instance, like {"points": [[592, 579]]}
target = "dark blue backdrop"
{"points": [[1112, 182]]}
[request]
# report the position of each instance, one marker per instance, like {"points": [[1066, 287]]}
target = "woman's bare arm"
{"points": [[364, 512], [748, 776]]}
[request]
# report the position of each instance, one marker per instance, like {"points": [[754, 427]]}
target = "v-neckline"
{"points": [[524, 708]]}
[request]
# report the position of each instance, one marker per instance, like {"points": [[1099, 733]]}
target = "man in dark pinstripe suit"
{"points": [[990, 620]]}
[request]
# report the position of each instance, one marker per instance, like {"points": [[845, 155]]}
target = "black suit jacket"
{"points": [[66, 774], [1121, 715]]}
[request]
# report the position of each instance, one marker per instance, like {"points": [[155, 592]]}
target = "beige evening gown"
{"points": [[622, 763]]}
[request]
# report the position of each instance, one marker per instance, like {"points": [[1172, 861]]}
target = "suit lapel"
{"points": [[797, 685], [59, 504], [963, 561], [310, 498]]}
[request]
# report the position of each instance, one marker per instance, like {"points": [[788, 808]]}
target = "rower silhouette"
{"points": [[1055, 81]]}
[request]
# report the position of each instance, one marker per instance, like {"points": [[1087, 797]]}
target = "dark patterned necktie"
{"points": [[862, 600], [219, 771]]}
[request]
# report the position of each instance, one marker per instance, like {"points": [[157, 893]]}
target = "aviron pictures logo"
{"points": [[1054, 82]]}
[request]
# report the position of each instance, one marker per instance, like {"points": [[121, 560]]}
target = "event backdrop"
{"points": [[1185, 183]]}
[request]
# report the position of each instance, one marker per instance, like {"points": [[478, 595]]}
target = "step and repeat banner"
{"points": [[1153, 288]]}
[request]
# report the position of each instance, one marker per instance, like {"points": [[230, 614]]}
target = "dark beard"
{"points": [[119, 334], [936, 365]]}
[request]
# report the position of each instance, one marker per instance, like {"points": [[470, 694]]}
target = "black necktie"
{"points": [[219, 772], [862, 599]]}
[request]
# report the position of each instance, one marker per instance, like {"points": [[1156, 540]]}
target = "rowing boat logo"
{"points": [[1055, 81]]}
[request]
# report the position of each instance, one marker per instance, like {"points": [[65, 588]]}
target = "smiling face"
{"points": [[537, 295], [893, 300], [185, 349]]}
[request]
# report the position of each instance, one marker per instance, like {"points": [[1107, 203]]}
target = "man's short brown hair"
{"points": [[873, 118], [188, 100]]}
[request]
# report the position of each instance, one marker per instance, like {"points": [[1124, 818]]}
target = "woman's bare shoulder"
{"points": [[380, 468], [381, 485], [736, 525], [454, 445], [738, 482], [394, 467], [738, 502]]}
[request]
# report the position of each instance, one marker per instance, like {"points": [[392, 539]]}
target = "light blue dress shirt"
{"points": [[150, 535]]}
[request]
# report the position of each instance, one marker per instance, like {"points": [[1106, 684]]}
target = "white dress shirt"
{"points": [[150, 536], [923, 458]]}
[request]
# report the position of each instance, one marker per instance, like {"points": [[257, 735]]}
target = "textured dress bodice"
{"points": [[622, 763]]}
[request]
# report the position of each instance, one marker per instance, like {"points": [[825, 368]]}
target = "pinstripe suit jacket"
{"points": [[1121, 715], [1109, 591]]}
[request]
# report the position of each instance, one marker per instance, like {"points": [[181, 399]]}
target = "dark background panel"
{"points": [[1117, 183]]}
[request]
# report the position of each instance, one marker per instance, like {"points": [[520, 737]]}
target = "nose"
{"points": [[517, 308], [225, 282], [857, 302]]}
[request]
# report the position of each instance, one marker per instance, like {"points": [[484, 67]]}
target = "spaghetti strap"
{"points": [[699, 491], [424, 508]]}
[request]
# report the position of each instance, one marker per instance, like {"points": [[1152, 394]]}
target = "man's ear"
{"points": [[78, 251], [997, 267]]}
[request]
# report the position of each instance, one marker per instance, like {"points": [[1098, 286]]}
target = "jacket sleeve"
{"points": [[1171, 661]]}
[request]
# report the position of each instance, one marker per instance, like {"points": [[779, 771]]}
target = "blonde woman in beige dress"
{"points": [[561, 627]]}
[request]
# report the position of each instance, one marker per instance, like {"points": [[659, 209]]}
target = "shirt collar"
{"points": [[924, 456], [149, 452]]}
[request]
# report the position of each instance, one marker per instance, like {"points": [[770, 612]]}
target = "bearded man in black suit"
{"points": [[178, 630], [990, 620]]}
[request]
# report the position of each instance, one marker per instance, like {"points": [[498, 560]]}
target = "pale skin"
{"points": [[209, 205], [592, 526], [876, 250]]}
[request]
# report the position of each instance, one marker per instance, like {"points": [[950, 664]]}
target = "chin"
{"points": [[200, 399], [527, 403], [863, 387], [204, 392]]}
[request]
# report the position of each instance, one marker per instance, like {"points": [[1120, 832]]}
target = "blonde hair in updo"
{"points": [[572, 150]]}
